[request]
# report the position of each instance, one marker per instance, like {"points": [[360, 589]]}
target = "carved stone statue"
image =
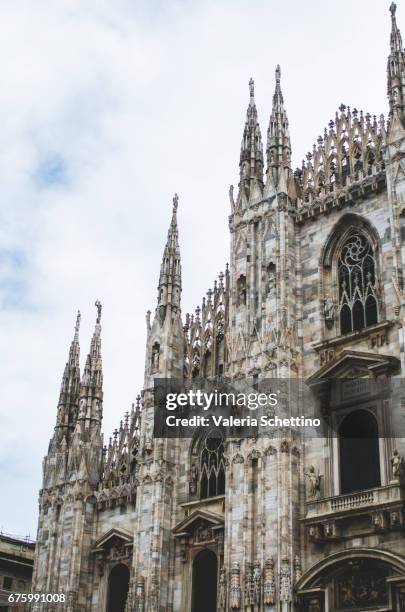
{"points": [[231, 198], [314, 483], [148, 440], [193, 479], [329, 311], [256, 582], [269, 582], [271, 278], [155, 357], [222, 589], [140, 594], [397, 463], [285, 580], [241, 290], [248, 591], [234, 590], [297, 568]]}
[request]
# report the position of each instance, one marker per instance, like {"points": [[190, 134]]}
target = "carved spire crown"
{"points": [[169, 288], [251, 153], [396, 69], [278, 147]]}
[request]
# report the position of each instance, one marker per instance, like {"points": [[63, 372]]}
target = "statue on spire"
{"points": [[98, 305], [252, 88], [175, 202], [396, 70], [77, 326]]}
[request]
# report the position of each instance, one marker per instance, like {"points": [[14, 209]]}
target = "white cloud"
{"points": [[108, 109]]}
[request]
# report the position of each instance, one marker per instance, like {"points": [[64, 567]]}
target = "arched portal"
{"points": [[118, 583], [359, 452], [355, 579], [205, 571]]}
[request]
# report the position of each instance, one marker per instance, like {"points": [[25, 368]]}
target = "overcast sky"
{"points": [[107, 109]]}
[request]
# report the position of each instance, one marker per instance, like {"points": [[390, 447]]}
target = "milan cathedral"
{"points": [[314, 291]]}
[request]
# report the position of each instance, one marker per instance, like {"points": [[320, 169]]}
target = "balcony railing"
{"points": [[341, 504]]}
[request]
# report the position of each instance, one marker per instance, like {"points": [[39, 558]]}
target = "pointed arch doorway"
{"points": [[118, 582], [204, 585]]}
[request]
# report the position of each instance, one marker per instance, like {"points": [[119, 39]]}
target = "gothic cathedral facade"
{"points": [[314, 291]]}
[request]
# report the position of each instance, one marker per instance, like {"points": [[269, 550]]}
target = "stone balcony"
{"points": [[378, 509]]}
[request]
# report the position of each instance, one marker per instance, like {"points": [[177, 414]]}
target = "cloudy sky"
{"points": [[107, 109]]}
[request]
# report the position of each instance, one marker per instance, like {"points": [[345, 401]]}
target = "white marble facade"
{"points": [[314, 291]]}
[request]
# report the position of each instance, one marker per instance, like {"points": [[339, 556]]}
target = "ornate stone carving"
{"points": [[154, 591], [140, 594], [248, 590], [222, 589], [285, 580], [193, 479], [256, 582], [203, 533], [314, 483], [361, 588], [397, 463], [297, 568], [234, 589], [329, 312], [269, 588], [155, 357]]}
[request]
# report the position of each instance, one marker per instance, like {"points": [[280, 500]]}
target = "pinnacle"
{"points": [[175, 202], [98, 305], [252, 91], [77, 327]]}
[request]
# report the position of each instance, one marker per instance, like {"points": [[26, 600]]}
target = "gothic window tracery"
{"points": [[212, 465], [356, 267]]}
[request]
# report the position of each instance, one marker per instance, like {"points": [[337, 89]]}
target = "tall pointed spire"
{"points": [[251, 154], [278, 137], [69, 391], [93, 374], [169, 289], [91, 389], [396, 70]]}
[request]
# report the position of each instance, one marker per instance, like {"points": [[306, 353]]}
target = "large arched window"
{"points": [[357, 271], [359, 454], [212, 468]]}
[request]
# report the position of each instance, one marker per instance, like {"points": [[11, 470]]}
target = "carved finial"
{"points": [[175, 202], [278, 74], [77, 326], [98, 305], [231, 198], [252, 89], [393, 9]]}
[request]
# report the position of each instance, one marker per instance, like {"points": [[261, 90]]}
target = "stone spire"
{"points": [[278, 138], [91, 389], [169, 289], [69, 391], [396, 70], [251, 154]]}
